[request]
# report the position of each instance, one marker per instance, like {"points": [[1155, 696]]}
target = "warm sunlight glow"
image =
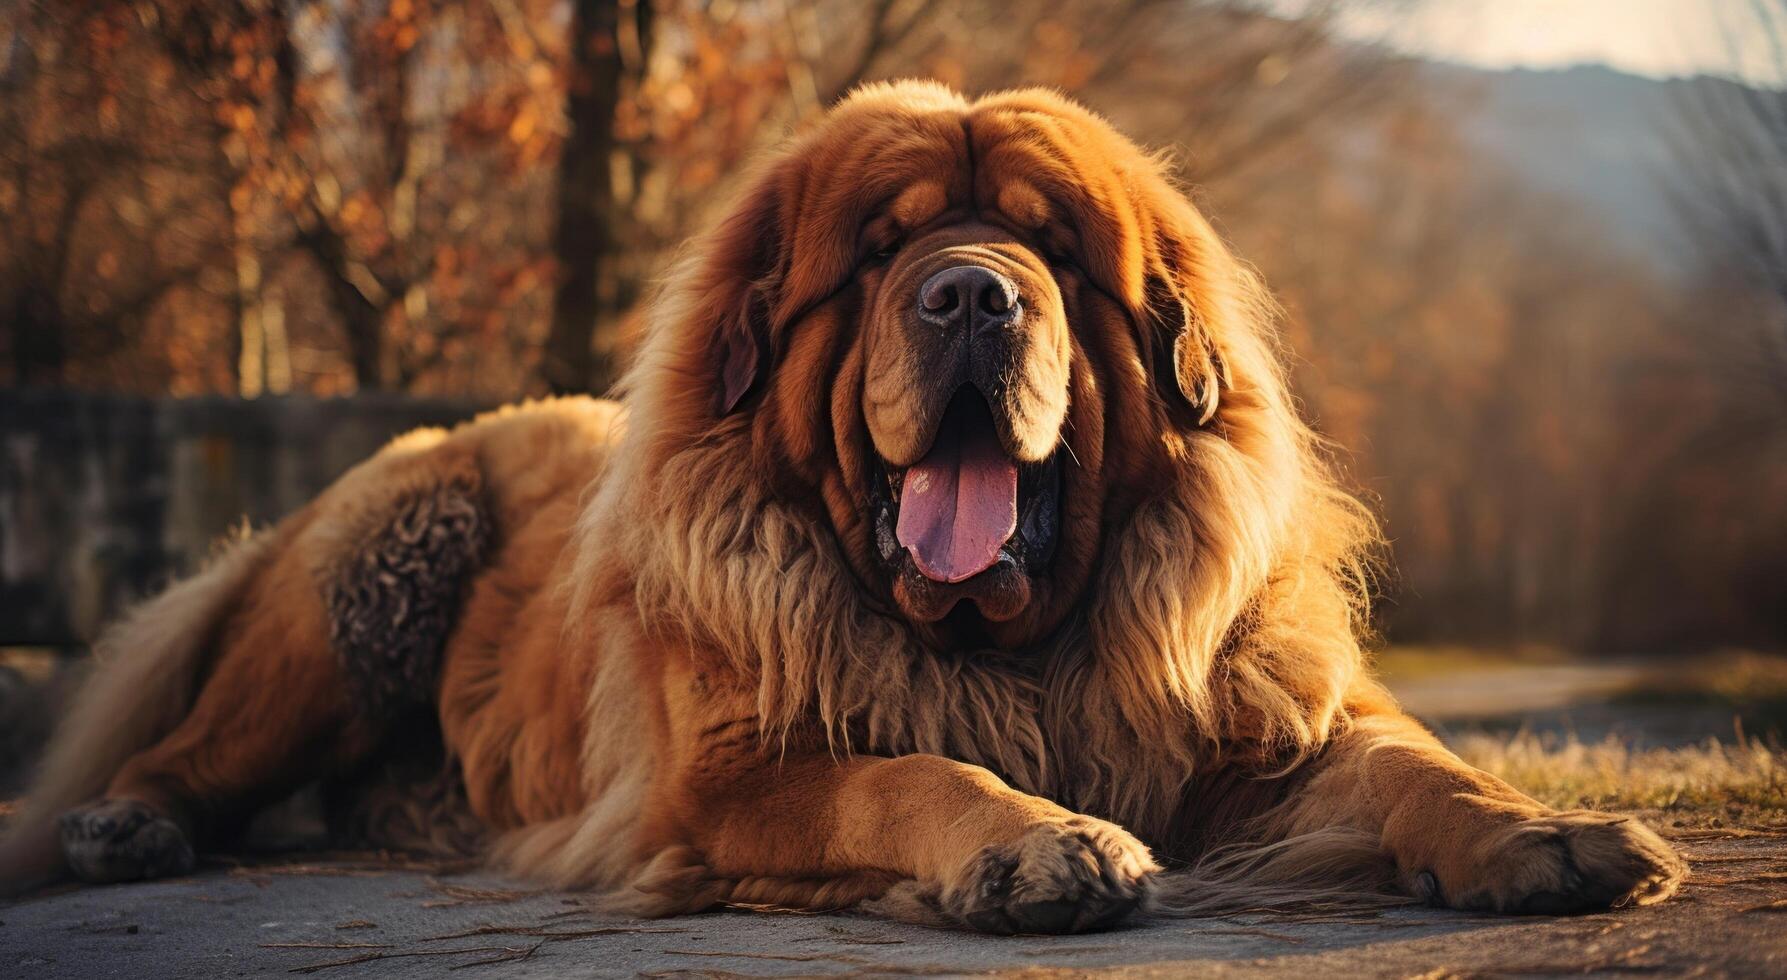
{"points": [[1646, 37]]}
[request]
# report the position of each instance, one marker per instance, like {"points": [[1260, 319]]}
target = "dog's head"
{"points": [[973, 338]]}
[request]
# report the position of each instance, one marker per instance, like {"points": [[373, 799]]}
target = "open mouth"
{"points": [[966, 518]]}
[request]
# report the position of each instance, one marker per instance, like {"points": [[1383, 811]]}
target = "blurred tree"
{"points": [[105, 233], [1733, 146], [1464, 365], [1708, 403], [608, 42]]}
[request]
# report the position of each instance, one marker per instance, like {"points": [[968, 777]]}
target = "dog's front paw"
{"points": [[123, 840], [1575, 861], [1065, 875]]}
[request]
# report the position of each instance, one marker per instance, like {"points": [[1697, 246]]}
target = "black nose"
{"points": [[968, 296]]}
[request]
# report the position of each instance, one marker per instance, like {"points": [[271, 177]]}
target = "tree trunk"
{"points": [[589, 291], [362, 319], [38, 352]]}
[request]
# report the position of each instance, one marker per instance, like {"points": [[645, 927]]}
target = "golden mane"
{"points": [[1221, 626]]}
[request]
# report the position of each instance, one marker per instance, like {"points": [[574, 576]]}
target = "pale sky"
{"points": [[1648, 37]]}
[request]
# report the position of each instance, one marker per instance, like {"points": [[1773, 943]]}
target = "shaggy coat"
{"points": [[668, 649]]}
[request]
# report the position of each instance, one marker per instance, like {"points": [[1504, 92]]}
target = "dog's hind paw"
{"points": [[123, 840]]}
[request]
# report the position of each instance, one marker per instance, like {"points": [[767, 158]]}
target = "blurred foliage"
{"points": [[1751, 686], [1403, 662], [472, 199]]}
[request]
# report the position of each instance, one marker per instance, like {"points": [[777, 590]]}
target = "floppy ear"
{"points": [[749, 246], [744, 350], [1190, 371]]}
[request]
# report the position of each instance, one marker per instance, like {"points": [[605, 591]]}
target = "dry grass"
{"points": [[1714, 783]]}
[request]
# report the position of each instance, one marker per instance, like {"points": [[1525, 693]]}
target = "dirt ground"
{"points": [[345, 919]]}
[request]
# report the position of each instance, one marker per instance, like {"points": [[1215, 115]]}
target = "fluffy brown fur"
{"points": [[682, 673]]}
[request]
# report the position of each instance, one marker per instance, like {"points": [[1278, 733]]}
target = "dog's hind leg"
{"points": [[342, 629], [273, 710]]}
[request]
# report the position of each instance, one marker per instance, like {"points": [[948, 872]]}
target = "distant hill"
{"points": [[1602, 138], [1608, 141]]}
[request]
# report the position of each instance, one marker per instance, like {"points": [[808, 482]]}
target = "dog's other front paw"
{"points": [[1062, 876], [1557, 863], [123, 840]]}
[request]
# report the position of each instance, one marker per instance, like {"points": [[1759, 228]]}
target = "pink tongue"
{"points": [[959, 504]]}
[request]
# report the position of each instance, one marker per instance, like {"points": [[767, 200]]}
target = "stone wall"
{"points": [[104, 499]]}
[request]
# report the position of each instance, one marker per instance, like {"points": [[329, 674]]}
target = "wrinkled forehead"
{"points": [[898, 170], [861, 165]]}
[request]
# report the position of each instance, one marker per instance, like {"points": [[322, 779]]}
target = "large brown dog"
{"points": [[956, 546]]}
